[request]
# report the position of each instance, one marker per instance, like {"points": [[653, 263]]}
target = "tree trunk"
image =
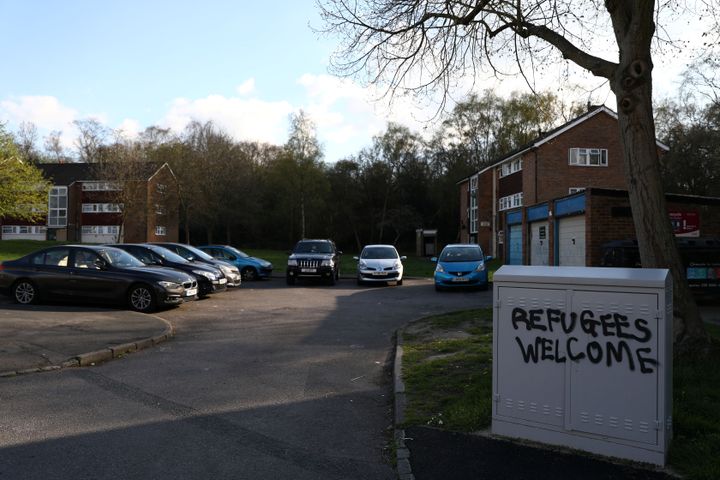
{"points": [[632, 86]]}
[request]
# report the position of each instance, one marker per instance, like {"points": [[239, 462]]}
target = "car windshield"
{"points": [[120, 258], [376, 253], [237, 252], [313, 247], [167, 254], [461, 254], [197, 253]]}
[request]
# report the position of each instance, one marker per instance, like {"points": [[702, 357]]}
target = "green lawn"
{"points": [[447, 369], [12, 249]]}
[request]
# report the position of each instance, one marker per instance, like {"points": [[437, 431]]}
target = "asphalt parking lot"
{"points": [[266, 381]]}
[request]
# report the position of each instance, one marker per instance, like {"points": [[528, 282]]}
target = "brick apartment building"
{"points": [[85, 207], [558, 199]]}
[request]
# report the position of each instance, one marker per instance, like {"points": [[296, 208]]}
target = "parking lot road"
{"points": [[266, 381]]}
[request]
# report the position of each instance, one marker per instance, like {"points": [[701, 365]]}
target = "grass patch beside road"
{"points": [[447, 370], [12, 249]]}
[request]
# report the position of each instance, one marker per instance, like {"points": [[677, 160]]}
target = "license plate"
{"points": [[307, 270], [223, 281], [460, 279], [378, 274], [191, 292]]}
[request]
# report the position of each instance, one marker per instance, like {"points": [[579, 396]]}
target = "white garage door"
{"points": [[539, 244], [571, 241]]}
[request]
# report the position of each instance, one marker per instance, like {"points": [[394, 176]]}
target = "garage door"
{"points": [[515, 245], [571, 241], [539, 250]]}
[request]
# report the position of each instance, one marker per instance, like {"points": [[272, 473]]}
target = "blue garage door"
{"points": [[515, 243]]}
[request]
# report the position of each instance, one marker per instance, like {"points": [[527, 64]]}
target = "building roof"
{"points": [[547, 136], [69, 173]]}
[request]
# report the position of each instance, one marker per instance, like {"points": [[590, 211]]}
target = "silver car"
{"points": [[379, 263]]}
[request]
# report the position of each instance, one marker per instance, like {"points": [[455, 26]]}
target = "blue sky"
{"points": [[132, 64]]}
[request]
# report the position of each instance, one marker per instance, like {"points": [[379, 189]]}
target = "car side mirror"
{"points": [[232, 258], [403, 257], [100, 264], [356, 258], [433, 259], [488, 258], [339, 252]]}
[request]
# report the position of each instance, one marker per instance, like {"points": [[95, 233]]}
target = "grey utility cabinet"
{"points": [[582, 357]]}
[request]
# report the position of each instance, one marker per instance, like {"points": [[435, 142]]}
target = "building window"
{"points": [[572, 190], [100, 229], [160, 231], [102, 207], [100, 186], [473, 205], [588, 157], [18, 229], [511, 201], [510, 167], [57, 207], [160, 188], [159, 209]]}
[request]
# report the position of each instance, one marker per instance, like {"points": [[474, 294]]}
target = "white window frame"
{"points": [[100, 186], [100, 229], [588, 157], [511, 201], [57, 215], [160, 231], [18, 229], [473, 204], [102, 207], [572, 190], [508, 168]]}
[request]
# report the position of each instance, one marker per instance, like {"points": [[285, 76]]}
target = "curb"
{"points": [[103, 355], [402, 453]]}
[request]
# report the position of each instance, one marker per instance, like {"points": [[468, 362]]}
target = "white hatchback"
{"points": [[379, 263]]}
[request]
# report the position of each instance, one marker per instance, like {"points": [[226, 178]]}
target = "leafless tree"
{"points": [[92, 136], [54, 146], [426, 46], [26, 137]]}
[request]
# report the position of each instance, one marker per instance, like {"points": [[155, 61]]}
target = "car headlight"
{"points": [[292, 262], [362, 264], [267, 265], [327, 263], [169, 285], [227, 270], [208, 275], [480, 267], [397, 265], [439, 268]]}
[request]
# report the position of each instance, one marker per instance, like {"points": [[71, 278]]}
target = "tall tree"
{"points": [[23, 189], [54, 147], [427, 44], [92, 136]]}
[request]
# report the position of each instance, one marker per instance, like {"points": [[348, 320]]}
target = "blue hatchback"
{"points": [[461, 266], [251, 268]]}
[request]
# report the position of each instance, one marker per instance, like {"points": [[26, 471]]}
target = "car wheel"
{"points": [[399, 282], [249, 274], [438, 288], [360, 282], [141, 298], [25, 292], [332, 280], [290, 280]]}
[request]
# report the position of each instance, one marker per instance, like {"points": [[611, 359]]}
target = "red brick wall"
{"points": [[549, 174]]}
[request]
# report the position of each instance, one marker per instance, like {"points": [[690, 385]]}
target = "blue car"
{"points": [[461, 266], [251, 268]]}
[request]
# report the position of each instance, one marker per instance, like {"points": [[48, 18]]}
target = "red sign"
{"points": [[685, 224]]}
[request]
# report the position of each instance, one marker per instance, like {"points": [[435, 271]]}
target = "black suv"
{"points": [[314, 259]]}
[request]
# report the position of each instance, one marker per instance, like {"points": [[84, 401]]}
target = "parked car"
{"points": [[209, 279], [251, 268], [94, 274], [192, 254], [379, 263], [314, 259], [461, 265]]}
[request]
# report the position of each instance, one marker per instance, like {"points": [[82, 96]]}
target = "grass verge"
{"points": [[447, 370]]}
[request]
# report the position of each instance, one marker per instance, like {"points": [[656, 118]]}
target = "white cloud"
{"points": [[130, 128], [247, 87], [244, 119], [45, 112]]}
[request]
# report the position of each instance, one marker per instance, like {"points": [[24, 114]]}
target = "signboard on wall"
{"points": [[685, 224]]}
